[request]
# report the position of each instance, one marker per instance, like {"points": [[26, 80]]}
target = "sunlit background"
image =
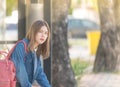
{"points": [[83, 31]]}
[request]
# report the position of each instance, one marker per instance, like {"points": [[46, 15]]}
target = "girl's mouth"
{"points": [[41, 39]]}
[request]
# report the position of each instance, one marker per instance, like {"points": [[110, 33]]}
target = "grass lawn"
{"points": [[78, 67]]}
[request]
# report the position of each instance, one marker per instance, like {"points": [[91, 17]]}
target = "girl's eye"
{"points": [[43, 32], [46, 32]]}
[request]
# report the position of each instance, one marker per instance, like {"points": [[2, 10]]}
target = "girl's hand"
{"points": [[35, 86]]}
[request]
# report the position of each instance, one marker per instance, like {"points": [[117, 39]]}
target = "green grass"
{"points": [[79, 66]]}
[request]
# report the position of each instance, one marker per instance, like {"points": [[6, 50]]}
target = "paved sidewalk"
{"points": [[100, 80]]}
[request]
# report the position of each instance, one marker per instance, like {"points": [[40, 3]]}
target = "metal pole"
{"points": [[34, 1], [21, 19], [47, 17], [34, 12]]}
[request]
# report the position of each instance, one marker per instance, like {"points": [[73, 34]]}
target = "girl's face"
{"points": [[41, 35]]}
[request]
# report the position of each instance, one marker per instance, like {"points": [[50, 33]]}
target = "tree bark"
{"points": [[108, 54], [62, 73]]}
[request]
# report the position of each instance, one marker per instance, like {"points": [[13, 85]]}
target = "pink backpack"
{"points": [[7, 69]]}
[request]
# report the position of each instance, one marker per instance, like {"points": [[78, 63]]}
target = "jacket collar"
{"points": [[26, 40]]}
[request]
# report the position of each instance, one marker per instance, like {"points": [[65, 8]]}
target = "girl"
{"points": [[28, 64]]}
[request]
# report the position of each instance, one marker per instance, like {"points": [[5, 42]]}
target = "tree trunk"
{"points": [[108, 54], [62, 73]]}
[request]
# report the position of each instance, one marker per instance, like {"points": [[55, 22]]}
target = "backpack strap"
{"points": [[3, 53], [25, 46]]}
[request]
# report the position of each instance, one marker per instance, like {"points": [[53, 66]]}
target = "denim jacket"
{"points": [[24, 63]]}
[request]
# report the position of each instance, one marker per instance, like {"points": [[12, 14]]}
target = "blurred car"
{"points": [[77, 28], [11, 26]]}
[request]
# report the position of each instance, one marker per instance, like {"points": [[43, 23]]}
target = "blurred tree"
{"points": [[62, 73], [108, 54], [10, 6]]}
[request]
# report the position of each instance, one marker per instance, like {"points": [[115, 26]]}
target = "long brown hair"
{"points": [[44, 48]]}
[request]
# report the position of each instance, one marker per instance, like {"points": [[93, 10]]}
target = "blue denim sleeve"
{"points": [[18, 58], [41, 77]]}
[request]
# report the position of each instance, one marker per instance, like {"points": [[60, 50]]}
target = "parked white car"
{"points": [[77, 28]]}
